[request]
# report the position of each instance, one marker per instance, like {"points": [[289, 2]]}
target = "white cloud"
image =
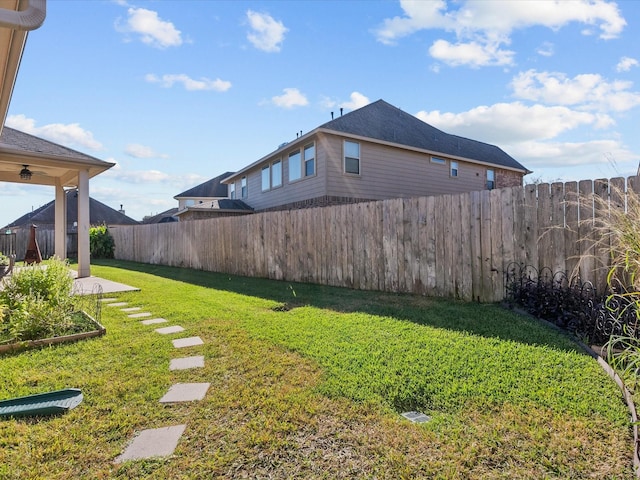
{"points": [[357, 100], [266, 33], [509, 123], [473, 54], [566, 154], [152, 29], [71, 135], [546, 49], [153, 177], [482, 28], [292, 97], [588, 91], [190, 84], [625, 64], [141, 151]]}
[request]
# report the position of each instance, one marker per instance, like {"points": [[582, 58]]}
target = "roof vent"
{"points": [[282, 145]]}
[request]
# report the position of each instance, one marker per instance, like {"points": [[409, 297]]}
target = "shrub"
{"points": [[101, 242], [36, 302]]}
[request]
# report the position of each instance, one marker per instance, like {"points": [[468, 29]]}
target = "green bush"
{"points": [[101, 242], [36, 302]]}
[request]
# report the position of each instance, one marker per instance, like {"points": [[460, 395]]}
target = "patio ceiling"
{"points": [[46, 168]]}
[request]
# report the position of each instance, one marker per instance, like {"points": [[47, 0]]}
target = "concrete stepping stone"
{"points": [[416, 417], [108, 299], [186, 363], [131, 309], [168, 330], [153, 321], [156, 442], [185, 392], [117, 304], [187, 342], [139, 315]]}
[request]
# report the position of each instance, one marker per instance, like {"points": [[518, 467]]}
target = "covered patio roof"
{"points": [[44, 163], [49, 163]]}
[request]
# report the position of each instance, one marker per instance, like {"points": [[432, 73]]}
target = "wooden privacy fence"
{"points": [[16, 242], [448, 246]]}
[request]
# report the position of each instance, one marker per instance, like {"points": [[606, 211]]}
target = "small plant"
{"points": [[37, 302], [101, 242], [4, 260]]}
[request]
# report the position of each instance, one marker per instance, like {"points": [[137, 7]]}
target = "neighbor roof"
{"points": [[219, 205], [384, 122], [99, 213], [210, 189]]}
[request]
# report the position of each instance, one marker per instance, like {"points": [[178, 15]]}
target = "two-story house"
{"points": [[209, 199], [372, 153]]}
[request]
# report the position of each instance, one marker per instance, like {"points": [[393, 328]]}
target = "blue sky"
{"points": [[178, 92]]}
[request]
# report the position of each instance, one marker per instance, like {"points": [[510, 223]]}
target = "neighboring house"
{"points": [[167, 216], [209, 199], [44, 216], [373, 153]]}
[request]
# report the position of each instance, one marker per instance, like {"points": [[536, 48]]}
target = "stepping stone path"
{"points": [[156, 442], [186, 363], [167, 330], [187, 342], [162, 442], [153, 321], [185, 392]]}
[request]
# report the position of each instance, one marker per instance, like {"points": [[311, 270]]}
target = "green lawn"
{"points": [[308, 382]]}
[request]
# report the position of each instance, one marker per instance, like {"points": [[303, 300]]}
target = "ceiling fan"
{"points": [[26, 173]]}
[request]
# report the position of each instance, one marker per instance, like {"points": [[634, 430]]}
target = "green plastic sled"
{"points": [[50, 403]]}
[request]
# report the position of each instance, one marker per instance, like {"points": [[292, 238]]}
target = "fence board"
{"points": [[452, 245]]}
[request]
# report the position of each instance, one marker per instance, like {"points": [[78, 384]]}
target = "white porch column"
{"points": [[84, 266], [60, 235]]}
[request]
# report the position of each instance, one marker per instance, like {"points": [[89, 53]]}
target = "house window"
{"points": [[232, 191], [351, 157], [295, 171], [276, 174], [491, 179], [266, 177], [438, 160], [454, 168], [309, 160], [243, 187], [189, 203]]}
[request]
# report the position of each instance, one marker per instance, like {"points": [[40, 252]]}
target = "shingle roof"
{"points": [[381, 121], [99, 213], [211, 188], [16, 140], [226, 204], [160, 217]]}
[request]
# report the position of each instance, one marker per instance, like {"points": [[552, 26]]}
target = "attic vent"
{"points": [[282, 145]]}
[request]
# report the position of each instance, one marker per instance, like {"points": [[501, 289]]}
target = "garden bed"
{"points": [[85, 327]]}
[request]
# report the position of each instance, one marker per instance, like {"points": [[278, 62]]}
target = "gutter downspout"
{"points": [[29, 19]]}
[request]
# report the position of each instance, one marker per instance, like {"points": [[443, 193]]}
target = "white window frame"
{"points": [[454, 169], [299, 163], [243, 187], [438, 160], [491, 179], [276, 180], [312, 160], [232, 191], [344, 158], [266, 168]]}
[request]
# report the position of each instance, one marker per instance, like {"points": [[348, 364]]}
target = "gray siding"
{"points": [[303, 189], [387, 172]]}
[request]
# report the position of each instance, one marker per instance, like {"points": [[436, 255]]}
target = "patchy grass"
{"points": [[308, 381]]}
